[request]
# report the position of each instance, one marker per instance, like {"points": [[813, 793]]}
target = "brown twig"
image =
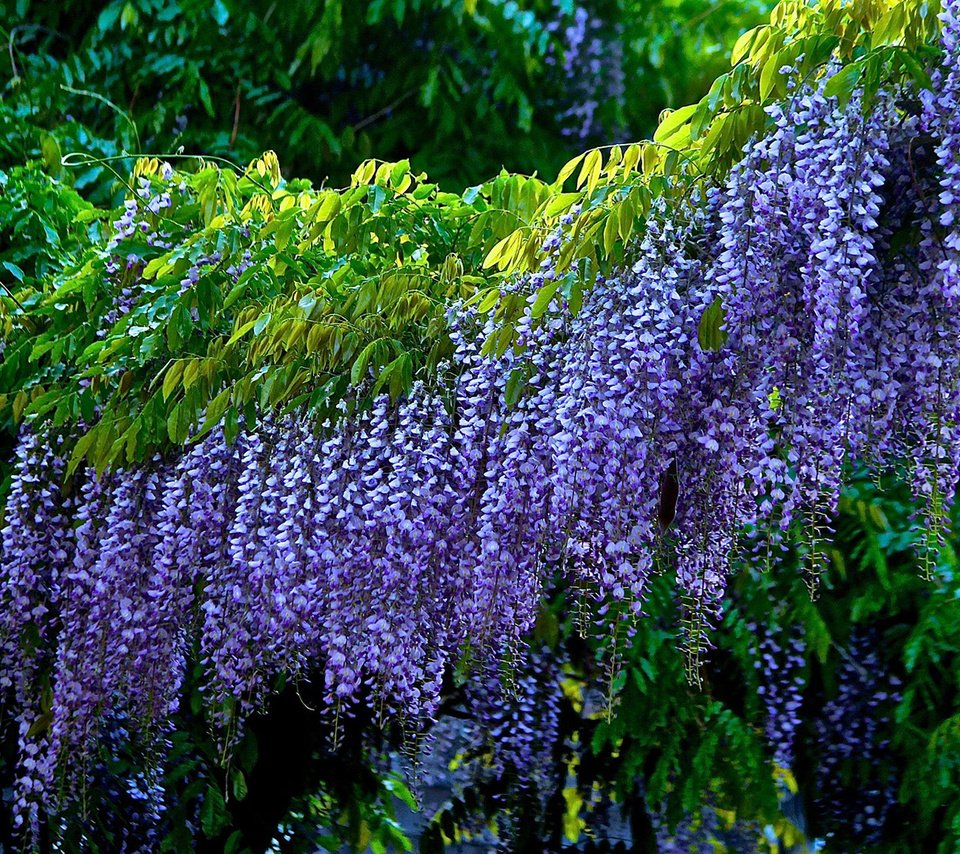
{"points": [[236, 117], [381, 113]]}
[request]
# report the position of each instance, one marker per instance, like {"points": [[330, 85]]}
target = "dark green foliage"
{"points": [[463, 86], [44, 224]]}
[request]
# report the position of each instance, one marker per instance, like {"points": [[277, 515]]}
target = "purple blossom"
{"points": [[372, 551]]}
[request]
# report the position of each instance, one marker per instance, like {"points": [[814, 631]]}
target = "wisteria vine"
{"points": [[706, 401]]}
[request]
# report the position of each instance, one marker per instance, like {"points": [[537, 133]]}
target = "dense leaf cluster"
{"points": [[341, 82]]}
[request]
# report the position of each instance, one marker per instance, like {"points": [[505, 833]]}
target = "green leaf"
{"points": [[50, 154], [215, 410], [560, 203], [399, 790], [178, 327], [672, 122], [547, 627], [769, 75], [178, 423], [243, 330], [915, 69], [80, 449], [358, 371], [14, 270], [238, 784], [842, 84], [499, 251], [204, 92], [40, 725], [590, 171], [515, 383], [172, 378], [611, 231], [568, 169], [544, 298], [261, 323], [710, 334], [233, 843], [231, 425], [213, 814], [490, 299], [307, 303], [889, 28], [743, 46]]}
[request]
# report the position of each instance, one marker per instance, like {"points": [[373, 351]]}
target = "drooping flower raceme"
{"points": [[372, 552], [856, 791]]}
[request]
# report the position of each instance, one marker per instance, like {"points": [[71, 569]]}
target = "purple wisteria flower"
{"points": [[374, 551]]}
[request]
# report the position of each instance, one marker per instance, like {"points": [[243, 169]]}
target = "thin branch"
{"points": [[109, 103], [27, 322], [381, 113], [24, 28], [236, 117]]}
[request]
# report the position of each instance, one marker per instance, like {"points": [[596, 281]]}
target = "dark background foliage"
{"points": [[464, 87]]}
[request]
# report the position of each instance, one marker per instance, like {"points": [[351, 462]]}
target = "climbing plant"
{"points": [[271, 434]]}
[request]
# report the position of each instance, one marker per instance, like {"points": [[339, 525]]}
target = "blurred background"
{"points": [[462, 87]]}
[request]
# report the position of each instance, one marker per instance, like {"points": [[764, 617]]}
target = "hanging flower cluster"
{"points": [[515, 727], [782, 680], [856, 790], [592, 68], [703, 402]]}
